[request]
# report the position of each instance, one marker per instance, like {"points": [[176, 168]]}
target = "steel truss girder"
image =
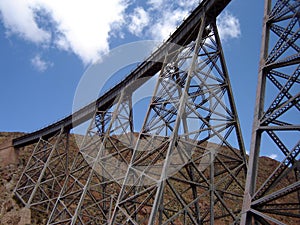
{"points": [[44, 174], [277, 199], [90, 191], [184, 168]]}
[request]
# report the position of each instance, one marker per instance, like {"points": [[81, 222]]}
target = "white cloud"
{"points": [[39, 64], [188, 4], [139, 20], [167, 24], [155, 4], [18, 18], [228, 26], [273, 156], [165, 15], [81, 26], [84, 26]]}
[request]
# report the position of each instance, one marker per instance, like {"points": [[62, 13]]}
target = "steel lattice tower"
{"points": [[184, 168], [276, 125], [90, 191], [43, 176]]}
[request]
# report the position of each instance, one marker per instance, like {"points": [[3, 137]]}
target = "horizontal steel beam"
{"points": [[282, 127], [185, 33]]}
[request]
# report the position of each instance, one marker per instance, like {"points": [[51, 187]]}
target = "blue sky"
{"points": [[45, 47]]}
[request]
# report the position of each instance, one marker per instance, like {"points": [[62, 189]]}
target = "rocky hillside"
{"points": [[12, 212]]}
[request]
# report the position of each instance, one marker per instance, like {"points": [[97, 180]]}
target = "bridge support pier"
{"points": [[43, 176], [276, 128], [90, 191], [189, 159]]}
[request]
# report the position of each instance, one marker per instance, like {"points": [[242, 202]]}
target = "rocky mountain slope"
{"points": [[12, 212]]}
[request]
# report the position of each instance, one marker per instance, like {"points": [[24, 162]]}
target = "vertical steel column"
{"points": [[174, 135], [275, 200]]}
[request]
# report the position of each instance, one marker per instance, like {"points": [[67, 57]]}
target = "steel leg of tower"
{"points": [[276, 200]]}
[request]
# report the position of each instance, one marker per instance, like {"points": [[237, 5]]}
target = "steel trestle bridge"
{"points": [[187, 164]]}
